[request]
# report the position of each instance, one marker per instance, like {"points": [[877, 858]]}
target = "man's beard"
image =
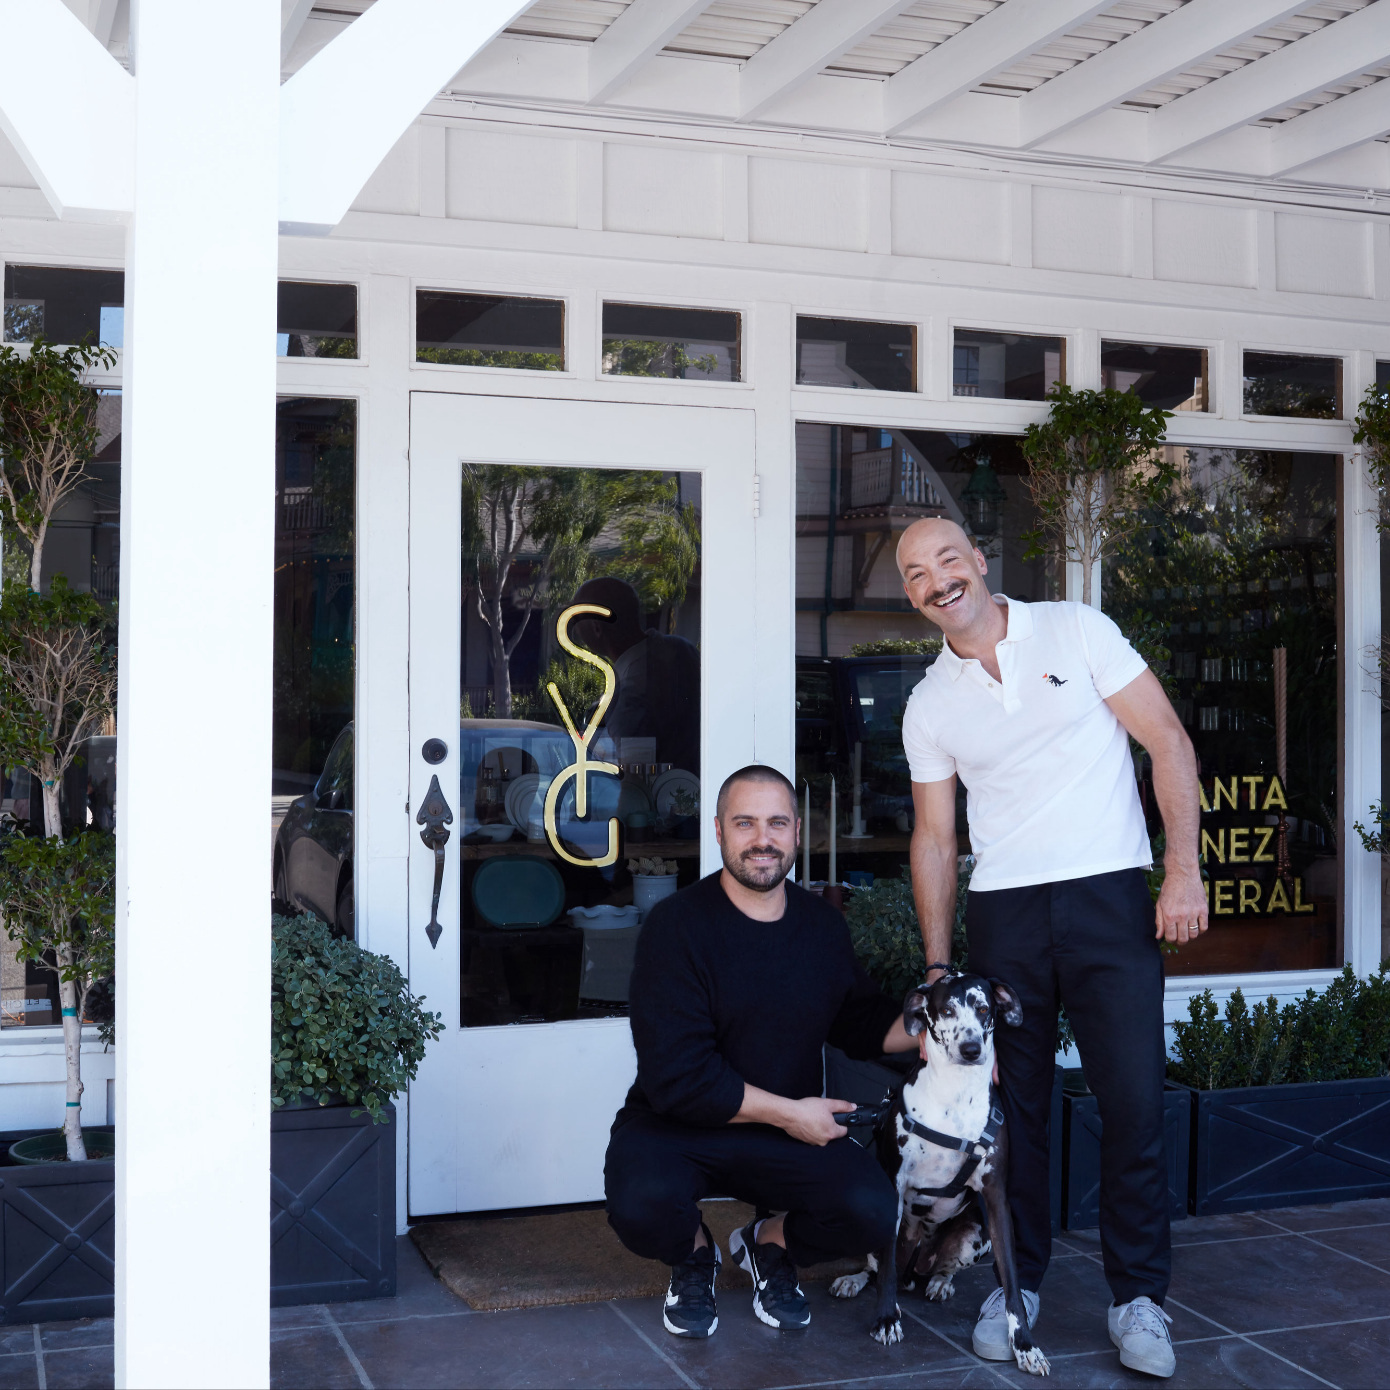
{"points": [[761, 878]]}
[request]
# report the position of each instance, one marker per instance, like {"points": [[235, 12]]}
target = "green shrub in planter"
{"points": [[344, 1024], [1339, 1035]]}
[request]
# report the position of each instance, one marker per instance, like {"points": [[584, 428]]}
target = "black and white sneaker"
{"points": [[690, 1310], [777, 1297]]}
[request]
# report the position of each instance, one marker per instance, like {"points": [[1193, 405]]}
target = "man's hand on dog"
{"points": [[1182, 907]]}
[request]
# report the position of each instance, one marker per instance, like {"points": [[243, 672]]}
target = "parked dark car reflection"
{"points": [[313, 846]]}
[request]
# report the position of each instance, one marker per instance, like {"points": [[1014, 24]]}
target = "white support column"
{"points": [[197, 555], [1361, 741]]}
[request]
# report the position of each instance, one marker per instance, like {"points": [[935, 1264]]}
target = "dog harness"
{"points": [[975, 1150]]}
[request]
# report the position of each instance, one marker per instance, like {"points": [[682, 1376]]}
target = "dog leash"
{"points": [[975, 1150]]}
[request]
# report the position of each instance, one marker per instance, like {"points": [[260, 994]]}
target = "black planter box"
{"points": [[1284, 1146], [332, 1220], [57, 1237], [332, 1205], [866, 1083], [1080, 1152]]}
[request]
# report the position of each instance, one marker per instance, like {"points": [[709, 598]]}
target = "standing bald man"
{"points": [[1032, 706]]}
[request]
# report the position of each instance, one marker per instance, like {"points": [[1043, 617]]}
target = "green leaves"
{"points": [[59, 895], [1096, 468], [1373, 434], [1338, 1035], [344, 1024]]}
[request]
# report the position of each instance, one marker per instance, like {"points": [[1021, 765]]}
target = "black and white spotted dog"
{"points": [[942, 1140]]}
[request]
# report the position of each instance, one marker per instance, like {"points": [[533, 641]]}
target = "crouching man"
{"points": [[739, 981]]}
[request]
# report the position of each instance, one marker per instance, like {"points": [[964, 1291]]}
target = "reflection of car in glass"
{"points": [[313, 846]]}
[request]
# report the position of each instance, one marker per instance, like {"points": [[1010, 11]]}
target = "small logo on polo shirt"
{"points": [[1055, 680]]}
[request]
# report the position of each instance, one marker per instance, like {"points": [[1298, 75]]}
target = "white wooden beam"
{"points": [[1303, 68], [58, 88], [825, 32], [341, 113], [293, 16], [1350, 120], [997, 41], [205, 214], [642, 30], [103, 19], [1178, 41]]}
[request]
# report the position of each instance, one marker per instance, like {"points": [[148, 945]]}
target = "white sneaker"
{"points": [[991, 1335], [1140, 1330]]}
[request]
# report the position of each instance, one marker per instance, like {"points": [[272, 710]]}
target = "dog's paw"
{"points": [[886, 1331], [1032, 1361], [940, 1287], [849, 1285]]}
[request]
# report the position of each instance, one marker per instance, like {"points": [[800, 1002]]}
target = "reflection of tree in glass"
{"points": [[492, 357], [1239, 559], [1269, 395], [531, 533], [23, 321], [650, 357]]}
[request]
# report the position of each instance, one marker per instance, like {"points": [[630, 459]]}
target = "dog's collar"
{"points": [[975, 1150]]}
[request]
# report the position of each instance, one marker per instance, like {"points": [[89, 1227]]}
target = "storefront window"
{"points": [[860, 646], [1237, 578], [82, 545], [314, 662], [1277, 383], [1014, 366], [855, 353], [654, 340], [1171, 378], [316, 320], [64, 305], [490, 330], [560, 701]]}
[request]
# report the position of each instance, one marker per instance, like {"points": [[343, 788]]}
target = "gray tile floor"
{"points": [[1297, 1297]]}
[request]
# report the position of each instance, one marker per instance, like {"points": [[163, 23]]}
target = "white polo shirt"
{"points": [[1046, 766]]}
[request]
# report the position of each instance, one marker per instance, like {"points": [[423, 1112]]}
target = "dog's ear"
{"points": [[1006, 1003], [915, 1011]]}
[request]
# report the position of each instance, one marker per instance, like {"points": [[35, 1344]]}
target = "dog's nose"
{"points": [[970, 1051]]}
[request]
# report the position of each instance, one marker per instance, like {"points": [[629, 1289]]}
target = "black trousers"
{"points": [[838, 1199], [1088, 944]]}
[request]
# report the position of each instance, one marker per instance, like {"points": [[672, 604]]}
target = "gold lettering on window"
{"points": [[1249, 896], [1217, 846], [1221, 897], [578, 771], [1262, 854], [1219, 791], [1240, 844], [1274, 797]]}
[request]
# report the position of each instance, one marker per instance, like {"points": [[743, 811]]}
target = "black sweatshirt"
{"points": [[718, 999]]}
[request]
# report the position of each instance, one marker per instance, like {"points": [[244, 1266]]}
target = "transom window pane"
{"points": [[1237, 580], [489, 330], [550, 915], [688, 344], [853, 353], [64, 305], [1277, 383], [1014, 366], [316, 320], [1171, 378]]}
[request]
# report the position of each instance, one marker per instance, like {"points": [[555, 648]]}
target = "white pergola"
{"points": [[181, 123]]}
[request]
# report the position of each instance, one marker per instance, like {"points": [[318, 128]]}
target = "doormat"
{"points": [[565, 1257]]}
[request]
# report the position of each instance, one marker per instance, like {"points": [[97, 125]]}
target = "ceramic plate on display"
{"points": [[666, 786], [520, 794]]}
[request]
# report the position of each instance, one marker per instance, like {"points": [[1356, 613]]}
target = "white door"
{"points": [[513, 1103]]}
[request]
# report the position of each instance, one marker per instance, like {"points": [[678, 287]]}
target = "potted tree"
{"points": [[1096, 467], [1290, 1105], [57, 687], [346, 1036]]}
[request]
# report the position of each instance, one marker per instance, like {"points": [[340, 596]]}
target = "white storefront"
{"points": [[993, 182]]}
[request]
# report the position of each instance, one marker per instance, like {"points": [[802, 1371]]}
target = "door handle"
{"points": [[435, 815]]}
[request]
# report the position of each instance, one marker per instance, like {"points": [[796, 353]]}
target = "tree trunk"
{"points": [[36, 560], [72, 1052], [52, 812], [501, 663]]}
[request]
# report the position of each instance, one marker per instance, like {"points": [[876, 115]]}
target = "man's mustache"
{"points": [[946, 593], [761, 849]]}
